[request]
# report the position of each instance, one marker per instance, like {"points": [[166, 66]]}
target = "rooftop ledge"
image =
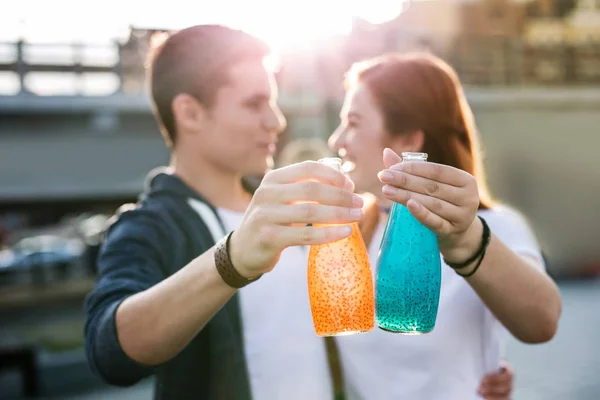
{"points": [[480, 97]]}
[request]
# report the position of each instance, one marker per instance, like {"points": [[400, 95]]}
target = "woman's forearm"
{"points": [[523, 298]]}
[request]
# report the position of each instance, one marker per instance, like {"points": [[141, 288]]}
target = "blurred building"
{"points": [[532, 75], [77, 138], [90, 138]]}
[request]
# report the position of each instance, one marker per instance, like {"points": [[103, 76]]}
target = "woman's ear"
{"points": [[410, 142]]}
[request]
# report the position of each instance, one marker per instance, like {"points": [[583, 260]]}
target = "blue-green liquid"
{"points": [[407, 288]]}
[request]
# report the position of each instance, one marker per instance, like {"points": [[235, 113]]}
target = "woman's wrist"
{"points": [[459, 249]]}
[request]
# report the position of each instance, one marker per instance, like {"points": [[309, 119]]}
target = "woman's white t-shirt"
{"points": [[448, 363]]}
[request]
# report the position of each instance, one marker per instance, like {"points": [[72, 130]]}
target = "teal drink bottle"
{"points": [[408, 279]]}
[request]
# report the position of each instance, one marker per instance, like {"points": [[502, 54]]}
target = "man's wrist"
{"points": [[225, 264]]}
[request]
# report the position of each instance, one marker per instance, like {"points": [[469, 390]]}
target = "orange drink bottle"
{"points": [[340, 283]]}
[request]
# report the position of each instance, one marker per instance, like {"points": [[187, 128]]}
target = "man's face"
{"points": [[240, 132]]}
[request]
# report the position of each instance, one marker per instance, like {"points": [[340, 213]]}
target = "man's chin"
{"points": [[270, 164], [260, 168]]}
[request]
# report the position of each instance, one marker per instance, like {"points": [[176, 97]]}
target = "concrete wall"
{"points": [[540, 149], [541, 156], [540, 145]]}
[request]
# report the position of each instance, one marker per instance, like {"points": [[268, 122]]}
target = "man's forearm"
{"points": [[155, 325]]}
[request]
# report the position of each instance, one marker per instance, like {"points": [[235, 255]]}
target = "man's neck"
{"points": [[220, 188]]}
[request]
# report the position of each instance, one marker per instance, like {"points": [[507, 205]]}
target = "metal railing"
{"points": [[479, 60], [511, 61], [28, 59]]}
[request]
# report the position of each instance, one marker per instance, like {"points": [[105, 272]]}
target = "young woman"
{"points": [[415, 103]]}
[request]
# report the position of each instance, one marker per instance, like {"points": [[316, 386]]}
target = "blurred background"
{"points": [[77, 138]]}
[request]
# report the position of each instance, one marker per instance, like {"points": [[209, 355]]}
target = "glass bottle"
{"points": [[340, 283], [408, 278]]}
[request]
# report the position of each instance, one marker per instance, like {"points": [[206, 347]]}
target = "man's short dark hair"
{"points": [[196, 61]]}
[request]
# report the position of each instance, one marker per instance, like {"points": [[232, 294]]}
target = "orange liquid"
{"points": [[340, 286]]}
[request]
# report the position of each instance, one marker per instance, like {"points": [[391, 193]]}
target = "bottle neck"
{"points": [[333, 162], [410, 156]]}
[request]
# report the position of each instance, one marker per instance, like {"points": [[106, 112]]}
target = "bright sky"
{"points": [[285, 24], [282, 23]]}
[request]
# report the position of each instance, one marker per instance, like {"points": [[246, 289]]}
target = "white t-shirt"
{"points": [[448, 363], [284, 356]]}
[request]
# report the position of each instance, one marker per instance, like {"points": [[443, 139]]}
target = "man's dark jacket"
{"points": [[145, 244]]}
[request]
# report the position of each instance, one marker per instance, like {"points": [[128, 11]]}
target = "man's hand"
{"points": [[305, 193], [497, 385]]}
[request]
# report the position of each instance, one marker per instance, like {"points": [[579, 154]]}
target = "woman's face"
{"points": [[361, 138]]}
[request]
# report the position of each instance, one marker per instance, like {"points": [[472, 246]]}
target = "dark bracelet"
{"points": [[474, 269], [485, 241], [226, 269]]}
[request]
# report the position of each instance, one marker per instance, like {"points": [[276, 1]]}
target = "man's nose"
{"points": [[336, 141], [275, 121]]}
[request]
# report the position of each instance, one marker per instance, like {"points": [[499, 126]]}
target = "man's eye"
{"points": [[255, 104]]}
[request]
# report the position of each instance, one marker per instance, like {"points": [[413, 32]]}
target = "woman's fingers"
{"points": [[417, 184]]}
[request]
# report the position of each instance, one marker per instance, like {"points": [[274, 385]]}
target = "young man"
{"points": [[166, 300]]}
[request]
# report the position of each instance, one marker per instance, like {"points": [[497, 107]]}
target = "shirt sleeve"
{"points": [[516, 233], [131, 260]]}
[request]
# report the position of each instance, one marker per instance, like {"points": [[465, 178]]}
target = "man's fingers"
{"points": [[497, 385], [308, 213], [309, 170], [307, 191], [309, 235]]}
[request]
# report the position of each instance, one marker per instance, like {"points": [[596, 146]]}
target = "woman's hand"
{"points": [[443, 198], [309, 192]]}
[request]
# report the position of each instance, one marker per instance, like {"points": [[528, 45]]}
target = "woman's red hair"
{"points": [[422, 92]]}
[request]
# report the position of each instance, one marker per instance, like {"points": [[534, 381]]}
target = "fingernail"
{"points": [[390, 151], [385, 176], [356, 213], [349, 185], [414, 204], [345, 230], [389, 190], [357, 201]]}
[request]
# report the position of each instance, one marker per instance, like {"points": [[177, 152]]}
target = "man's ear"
{"points": [[188, 113]]}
